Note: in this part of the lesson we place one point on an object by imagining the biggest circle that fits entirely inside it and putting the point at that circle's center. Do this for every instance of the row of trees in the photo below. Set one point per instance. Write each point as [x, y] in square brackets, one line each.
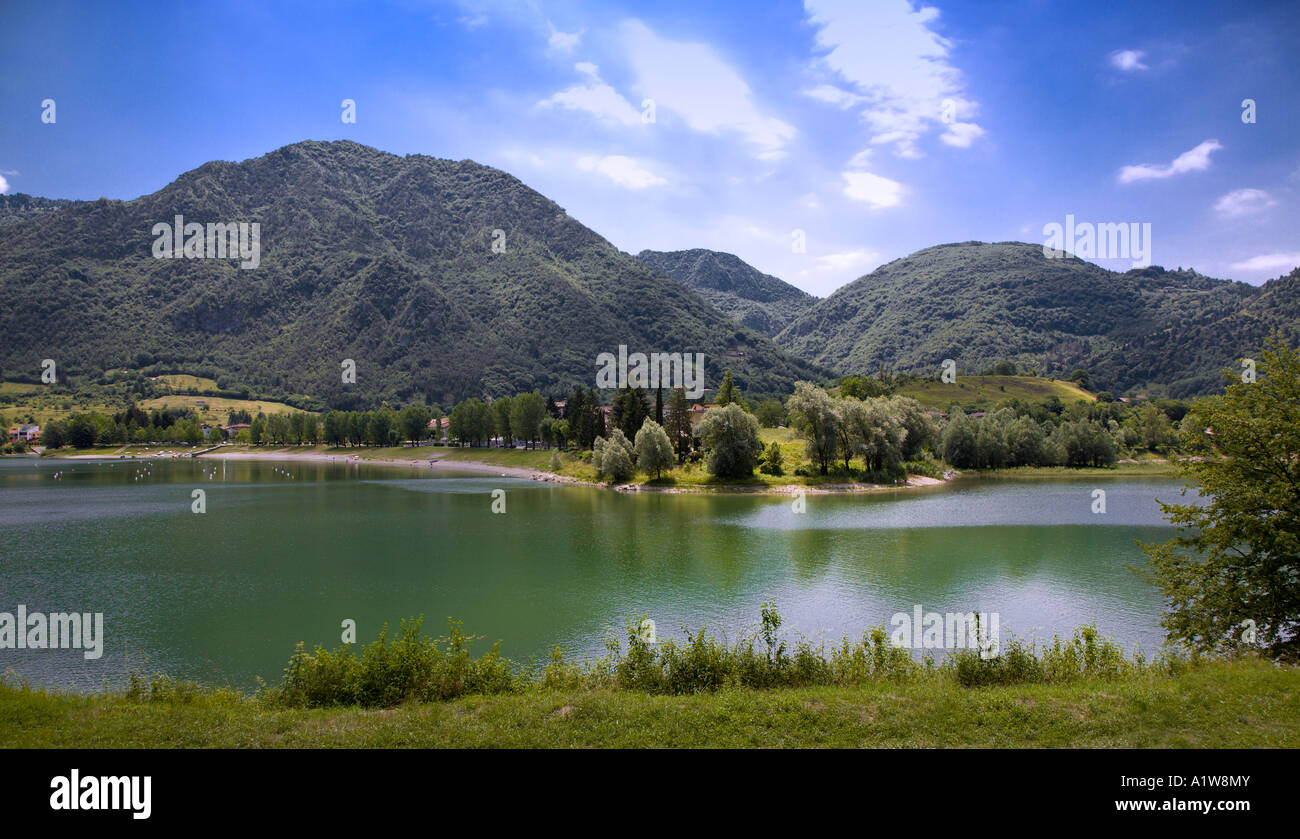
[884, 431]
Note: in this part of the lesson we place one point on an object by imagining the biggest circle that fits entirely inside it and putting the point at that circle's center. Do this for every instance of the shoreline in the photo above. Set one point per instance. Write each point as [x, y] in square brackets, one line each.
[443, 465]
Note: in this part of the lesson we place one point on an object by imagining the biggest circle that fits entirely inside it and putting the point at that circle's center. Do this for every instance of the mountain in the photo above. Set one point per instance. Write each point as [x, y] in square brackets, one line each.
[364, 255]
[1147, 329]
[760, 301]
[20, 205]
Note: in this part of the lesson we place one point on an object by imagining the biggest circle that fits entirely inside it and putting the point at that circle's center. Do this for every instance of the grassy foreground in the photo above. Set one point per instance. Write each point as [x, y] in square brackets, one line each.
[1220, 704]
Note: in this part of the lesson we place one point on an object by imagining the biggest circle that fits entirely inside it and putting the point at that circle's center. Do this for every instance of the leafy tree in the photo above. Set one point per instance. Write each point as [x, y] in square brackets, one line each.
[921, 430]
[654, 453]
[612, 456]
[629, 410]
[53, 435]
[731, 442]
[1234, 565]
[726, 392]
[678, 425]
[415, 423]
[812, 412]
[772, 460]
[500, 409]
[1004, 368]
[959, 443]
[526, 412]
[770, 413]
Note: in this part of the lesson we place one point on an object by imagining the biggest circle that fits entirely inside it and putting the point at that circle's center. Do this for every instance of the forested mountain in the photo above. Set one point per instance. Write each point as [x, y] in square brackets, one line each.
[365, 255]
[736, 288]
[19, 205]
[1144, 329]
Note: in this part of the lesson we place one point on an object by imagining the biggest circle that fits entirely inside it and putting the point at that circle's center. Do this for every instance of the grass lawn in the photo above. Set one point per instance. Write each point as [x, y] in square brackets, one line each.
[984, 392]
[1217, 705]
[216, 409]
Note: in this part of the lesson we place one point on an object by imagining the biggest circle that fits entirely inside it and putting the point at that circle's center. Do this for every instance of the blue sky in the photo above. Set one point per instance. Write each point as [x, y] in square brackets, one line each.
[867, 129]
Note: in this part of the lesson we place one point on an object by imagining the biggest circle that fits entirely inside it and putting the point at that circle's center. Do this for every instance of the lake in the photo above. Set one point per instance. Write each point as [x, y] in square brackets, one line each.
[286, 551]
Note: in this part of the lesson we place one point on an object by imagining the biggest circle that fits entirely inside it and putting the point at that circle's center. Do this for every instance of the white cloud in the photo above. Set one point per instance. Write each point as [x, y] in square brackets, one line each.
[896, 65]
[848, 260]
[625, 171]
[564, 42]
[597, 98]
[1196, 160]
[4, 185]
[1269, 262]
[876, 190]
[1243, 202]
[832, 95]
[1128, 60]
[692, 81]
[961, 134]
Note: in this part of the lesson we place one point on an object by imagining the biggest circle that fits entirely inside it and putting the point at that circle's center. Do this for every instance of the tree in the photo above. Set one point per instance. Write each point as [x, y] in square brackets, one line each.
[958, 443]
[630, 408]
[812, 413]
[53, 435]
[414, 421]
[82, 431]
[770, 413]
[654, 452]
[526, 412]
[772, 460]
[921, 430]
[1004, 368]
[731, 442]
[612, 456]
[875, 433]
[726, 392]
[678, 425]
[500, 409]
[1233, 567]
[1081, 378]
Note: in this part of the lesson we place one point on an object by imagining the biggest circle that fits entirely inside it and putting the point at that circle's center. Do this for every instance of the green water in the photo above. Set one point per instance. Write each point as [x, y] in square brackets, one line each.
[286, 552]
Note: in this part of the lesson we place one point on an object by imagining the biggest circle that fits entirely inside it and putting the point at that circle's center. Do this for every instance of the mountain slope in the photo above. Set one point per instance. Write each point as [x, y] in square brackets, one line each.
[976, 303]
[365, 255]
[737, 289]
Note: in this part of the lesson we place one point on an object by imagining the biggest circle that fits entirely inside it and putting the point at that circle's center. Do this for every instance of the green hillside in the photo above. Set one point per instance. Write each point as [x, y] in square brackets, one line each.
[365, 255]
[1166, 332]
[736, 288]
[986, 391]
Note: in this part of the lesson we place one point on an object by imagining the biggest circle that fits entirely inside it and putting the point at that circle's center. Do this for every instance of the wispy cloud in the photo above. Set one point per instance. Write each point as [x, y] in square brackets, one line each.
[895, 67]
[690, 80]
[596, 98]
[1243, 202]
[876, 190]
[627, 172]
[564, 42]
[4, 185]
[847, 260]
[1268, 262]
[1130, 61]
[1196, 160]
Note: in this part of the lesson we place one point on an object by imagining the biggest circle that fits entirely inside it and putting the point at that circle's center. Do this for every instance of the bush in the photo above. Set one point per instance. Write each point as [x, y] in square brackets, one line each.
[413, 667]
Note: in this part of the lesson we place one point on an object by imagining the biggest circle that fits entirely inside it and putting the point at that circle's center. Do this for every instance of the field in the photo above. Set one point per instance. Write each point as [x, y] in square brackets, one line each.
[184, 381]
[1221, 704]
[216, 409]
[984, 392]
